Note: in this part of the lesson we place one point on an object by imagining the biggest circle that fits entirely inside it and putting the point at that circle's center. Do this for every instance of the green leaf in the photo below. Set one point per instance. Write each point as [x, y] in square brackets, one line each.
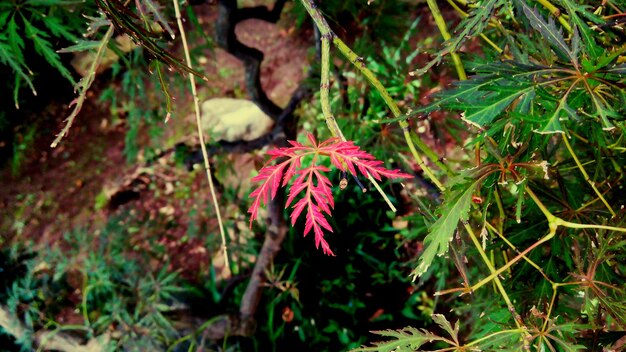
[404, 340]
[455, 208]
[471, 26]
[483, 97]
[549, 30]
[124, 21]
[491, 105]
[462, 90]
[44, 48]
[474, 24]
[7, 58]
[164, 88]
[16, 41]
[3, 16]
[605, 112]
[553, 123]
[588, 36]
[58, 28]
[441, 320]
[81, 45]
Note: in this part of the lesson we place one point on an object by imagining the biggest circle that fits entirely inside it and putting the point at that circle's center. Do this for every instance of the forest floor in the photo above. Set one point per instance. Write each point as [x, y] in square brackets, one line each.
[76, 184]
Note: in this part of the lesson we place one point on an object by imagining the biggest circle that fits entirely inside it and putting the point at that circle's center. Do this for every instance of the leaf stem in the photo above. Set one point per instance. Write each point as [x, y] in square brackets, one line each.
[586, 176]
[528, 260]
[557, 13]
[441, 24]
[83, 86]
[492, 335]
[325, 88]
[331, 122]
[494, 275]
[327, 35]
[359, 64]
[205, 156]
[553, 223]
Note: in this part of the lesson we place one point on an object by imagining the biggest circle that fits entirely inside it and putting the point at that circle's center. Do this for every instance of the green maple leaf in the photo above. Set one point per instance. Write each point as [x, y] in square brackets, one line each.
[455, 208]
[410, 339]
[44, 48]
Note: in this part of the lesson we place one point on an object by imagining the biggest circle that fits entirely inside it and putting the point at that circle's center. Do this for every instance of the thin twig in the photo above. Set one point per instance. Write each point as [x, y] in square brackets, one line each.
[326, 111]
[443, 28]
[586, 176]
[83, 86]
[205, 156]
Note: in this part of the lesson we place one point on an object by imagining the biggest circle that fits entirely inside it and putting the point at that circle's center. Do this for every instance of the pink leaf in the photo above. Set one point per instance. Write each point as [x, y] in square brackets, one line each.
[311, 181]
[312, 140]
[297, 210]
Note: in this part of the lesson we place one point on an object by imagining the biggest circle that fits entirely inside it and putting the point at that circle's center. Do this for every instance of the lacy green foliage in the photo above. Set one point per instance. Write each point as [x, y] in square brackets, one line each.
[456, 206]
[369, 122]
[546, 124]
[554, 337]
[378, 21]
[476, 21]
[139, 26]
[38, 25]
[145, 24]
[411, 339]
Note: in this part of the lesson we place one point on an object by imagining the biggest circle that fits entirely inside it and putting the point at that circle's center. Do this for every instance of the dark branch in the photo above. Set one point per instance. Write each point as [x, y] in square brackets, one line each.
[285, 128]
[262, 12]
[227, 19]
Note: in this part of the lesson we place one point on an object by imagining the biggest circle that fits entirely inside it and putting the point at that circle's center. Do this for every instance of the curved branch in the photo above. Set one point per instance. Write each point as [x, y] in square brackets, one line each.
[262, 12]
[228, 17]
[284, 128]
[276, 231]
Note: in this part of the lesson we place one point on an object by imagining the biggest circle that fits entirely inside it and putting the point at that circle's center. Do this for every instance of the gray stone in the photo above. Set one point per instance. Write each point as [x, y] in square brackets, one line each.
[234, 119]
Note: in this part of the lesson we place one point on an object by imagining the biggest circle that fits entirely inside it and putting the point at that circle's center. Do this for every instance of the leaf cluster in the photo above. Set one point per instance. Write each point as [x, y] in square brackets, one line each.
[544, 105]
[36, 26]
[117, 292]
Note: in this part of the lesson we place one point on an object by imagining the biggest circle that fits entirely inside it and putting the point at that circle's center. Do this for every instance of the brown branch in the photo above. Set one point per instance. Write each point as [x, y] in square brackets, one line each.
[244, 323]
[276, 231]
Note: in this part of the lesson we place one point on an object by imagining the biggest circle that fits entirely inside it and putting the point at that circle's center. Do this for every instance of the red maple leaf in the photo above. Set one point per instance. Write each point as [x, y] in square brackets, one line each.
[311, 181]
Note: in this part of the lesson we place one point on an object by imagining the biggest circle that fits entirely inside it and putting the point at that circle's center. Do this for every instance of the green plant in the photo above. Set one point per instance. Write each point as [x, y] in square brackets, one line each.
[116, 292]
[525, 107]
[40, 23]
